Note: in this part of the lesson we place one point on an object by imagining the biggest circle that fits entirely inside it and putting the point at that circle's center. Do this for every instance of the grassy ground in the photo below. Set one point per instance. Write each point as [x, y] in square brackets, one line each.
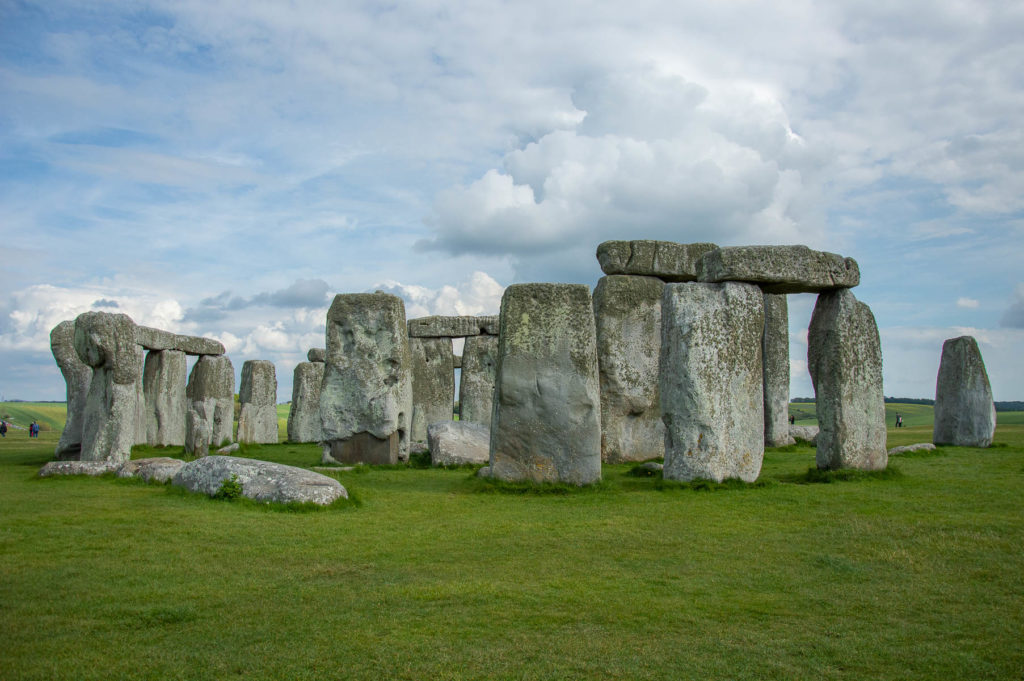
[913, 414]
[49, 415]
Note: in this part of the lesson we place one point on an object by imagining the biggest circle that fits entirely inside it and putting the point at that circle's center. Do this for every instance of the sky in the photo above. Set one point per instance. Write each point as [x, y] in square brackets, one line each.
[225, 168]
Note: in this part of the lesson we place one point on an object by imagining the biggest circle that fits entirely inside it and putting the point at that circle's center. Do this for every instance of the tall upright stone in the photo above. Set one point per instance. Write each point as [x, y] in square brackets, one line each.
[366, 397]
[257, 399]
[627, 311]
[211, 404]
[965, 415]
[546, 422]
[164, 378]
[106, 342]
[476, 381]
[304, 413]
[775, 353]
[77, 376]
[844, 356]
[711, 381]
[433, 383]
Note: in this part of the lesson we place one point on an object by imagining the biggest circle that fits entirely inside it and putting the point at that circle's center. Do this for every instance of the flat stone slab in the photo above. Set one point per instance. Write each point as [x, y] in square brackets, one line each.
[158, 339]
[156, 469]
[229, 449]
[260, 480]
[666, 260]
[452, 327]
[454, 443]
[780, 269]
[317, 355]
[77, 468]
[919, 447]
[805, 433]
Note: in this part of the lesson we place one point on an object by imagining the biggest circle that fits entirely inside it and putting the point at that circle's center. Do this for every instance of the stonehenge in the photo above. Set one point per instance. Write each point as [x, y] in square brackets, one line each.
[163, 381]
[77, 376]
[433, 383]
[775, 354]
[304, 413]
[965, 415]
[476, 380]
[257, 398]
[211, 404]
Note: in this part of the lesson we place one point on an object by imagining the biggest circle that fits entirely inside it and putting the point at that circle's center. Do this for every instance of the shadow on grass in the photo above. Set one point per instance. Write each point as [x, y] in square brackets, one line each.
[492, 486]
[818, 476]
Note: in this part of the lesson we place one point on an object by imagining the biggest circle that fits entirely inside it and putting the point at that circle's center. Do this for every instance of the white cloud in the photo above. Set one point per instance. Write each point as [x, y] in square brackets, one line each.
[969, 303]
[479, 294]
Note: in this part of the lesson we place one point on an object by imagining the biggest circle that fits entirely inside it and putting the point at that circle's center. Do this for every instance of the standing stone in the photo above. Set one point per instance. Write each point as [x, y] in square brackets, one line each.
[844, 356]
[711, 381]
[257, 399]
[164, 378]
[476, 383]
[304, 414]
[627, 311]
[775, 352]
[77, 375]
[106, 342]
[546, 422]
[211, 404]
[366, 398]
[965, 415]
[433, 383]
[140, 402]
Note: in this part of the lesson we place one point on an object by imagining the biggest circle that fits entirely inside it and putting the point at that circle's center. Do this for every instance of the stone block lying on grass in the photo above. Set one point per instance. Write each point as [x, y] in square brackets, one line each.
[77, 468]
[260, 480]
[804, 433]
[453, 443]
[156, 469]
[919, 447]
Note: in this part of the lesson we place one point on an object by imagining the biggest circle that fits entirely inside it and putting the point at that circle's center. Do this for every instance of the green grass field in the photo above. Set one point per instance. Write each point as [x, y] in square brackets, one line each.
[915, 574]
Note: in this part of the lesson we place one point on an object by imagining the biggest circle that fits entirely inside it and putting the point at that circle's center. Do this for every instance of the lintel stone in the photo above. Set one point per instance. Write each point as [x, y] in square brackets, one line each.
[780, 269]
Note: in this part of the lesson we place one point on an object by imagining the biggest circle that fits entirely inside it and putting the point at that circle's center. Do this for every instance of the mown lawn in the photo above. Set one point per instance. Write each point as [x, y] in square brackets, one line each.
[913, 575]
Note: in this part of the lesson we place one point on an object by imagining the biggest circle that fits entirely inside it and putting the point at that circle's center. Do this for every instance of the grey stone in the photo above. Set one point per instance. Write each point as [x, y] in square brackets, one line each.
[476, 381]
[804, 433]
[457, 361]
[452, 327]
[157, 339]
[230, 449]
[77, 468]
[666, 260]
[919, 447]
[211, 404]
[775, 355]
[627, 311]
[158, 469]
[965, 415]
[780, 269]
[317, 355]
[433, 384]
[77, 376]
[484, 472]
[650, 468]
[546, 421]
[163, 383]
[711, 381]
[260, 480]
[454, 443]
[844, 357]
[304, 413]
[257, 399]
[110, 427]
[366, 399]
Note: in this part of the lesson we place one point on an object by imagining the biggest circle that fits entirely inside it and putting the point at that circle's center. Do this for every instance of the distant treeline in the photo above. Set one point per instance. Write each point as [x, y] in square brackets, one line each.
[1000, 406]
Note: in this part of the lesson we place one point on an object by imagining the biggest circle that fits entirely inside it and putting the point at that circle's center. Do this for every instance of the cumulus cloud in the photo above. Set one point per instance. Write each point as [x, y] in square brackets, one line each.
[1014, 316]
[479, 294]
[304, 293]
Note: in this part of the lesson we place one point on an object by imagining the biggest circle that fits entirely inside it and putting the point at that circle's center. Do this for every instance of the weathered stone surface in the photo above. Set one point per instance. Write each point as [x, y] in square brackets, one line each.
[106, 342]
[211, 404]
[317, 355]
[77, 376]
[157, 469]
[649, 469]
[476, 381]
[804, 433]
[711, 381]
[666, 260]
[157, 339]
[257, 399]
[965, 415]
[451, 327]
[77, 468]
[304, 413]
[457, 361]
[919, 447]
[260, 480]
[775, 356]
[164, 378]
[367, 386]
[454, 443]
[546, 423]
[229, 449]
[781, 269]
[433, 383]
[627, 311]
[844, 357]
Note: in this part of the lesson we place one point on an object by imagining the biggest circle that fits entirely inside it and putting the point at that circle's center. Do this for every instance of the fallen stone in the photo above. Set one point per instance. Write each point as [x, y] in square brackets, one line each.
[334, 469]
[666, 260]
[711, 381]
[211, 404]
[260, 480]
[229, 449]
[627, 312]
[919, 447]
[433, 383]
[257, 398]
[163, 383]
[452, 327]
[454, 443]
[780, 269]
[476, 381]
[650, 468]
[844, 356]
[317, 355]
[775, 353]
[77, 377]
[304, 412]
[804, 433]
[965, 415]
[77, 468]
[157, 469]
[547, 413]
[157, 339]
[484, 472]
